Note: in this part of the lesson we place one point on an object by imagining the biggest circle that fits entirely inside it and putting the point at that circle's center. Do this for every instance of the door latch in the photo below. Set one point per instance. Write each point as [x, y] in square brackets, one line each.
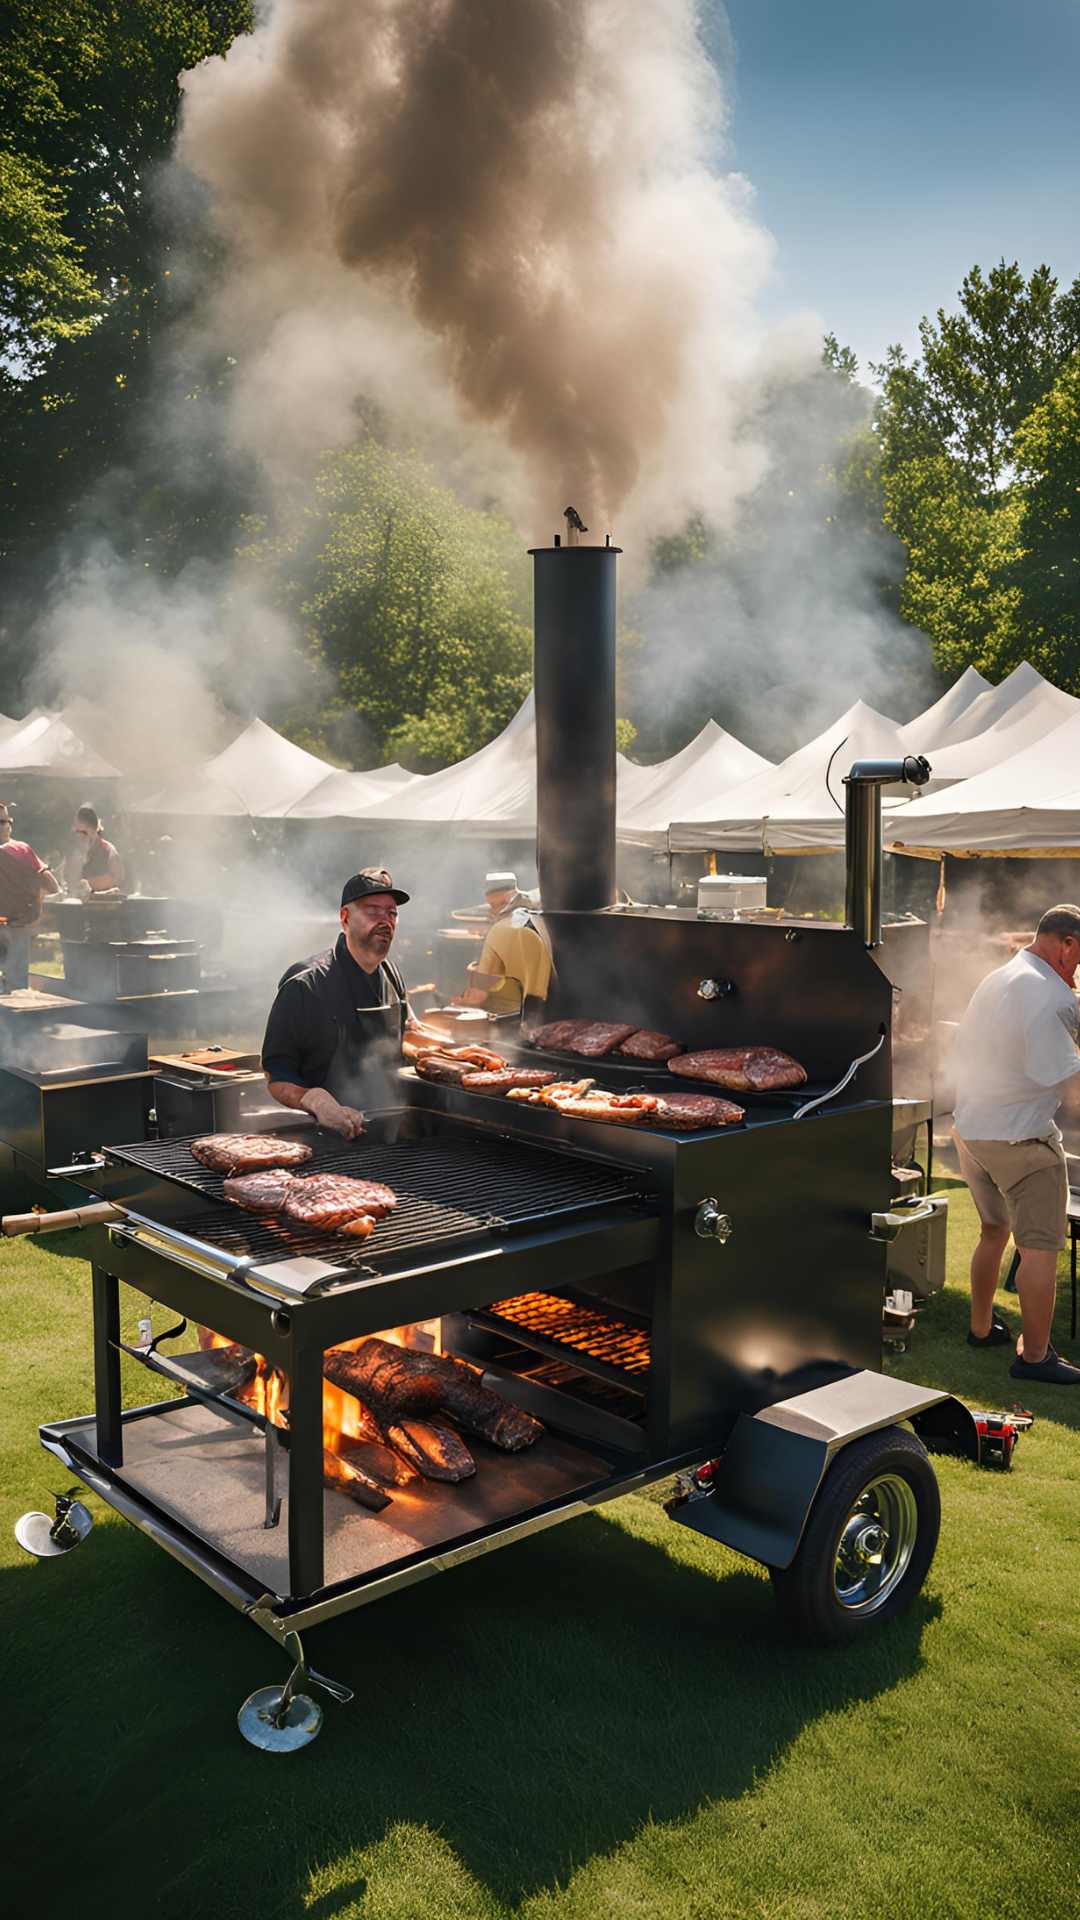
[711, 1224]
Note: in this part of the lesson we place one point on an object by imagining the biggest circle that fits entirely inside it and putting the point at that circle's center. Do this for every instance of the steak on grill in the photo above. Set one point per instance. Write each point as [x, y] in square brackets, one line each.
[598, 1037]
[505, 1078]
[685, 1112]
[247, 1152]
[397, 1384]
[743, 1069]
[443, 1069]
[557, 1035]
[337, 1203]
[260, 1192]
[653, 1047]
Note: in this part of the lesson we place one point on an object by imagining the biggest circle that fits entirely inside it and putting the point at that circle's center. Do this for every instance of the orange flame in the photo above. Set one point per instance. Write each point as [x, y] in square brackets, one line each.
[344, 1418]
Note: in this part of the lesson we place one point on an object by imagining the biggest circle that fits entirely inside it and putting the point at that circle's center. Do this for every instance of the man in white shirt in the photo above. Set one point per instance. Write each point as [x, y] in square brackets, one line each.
[1015, 1050]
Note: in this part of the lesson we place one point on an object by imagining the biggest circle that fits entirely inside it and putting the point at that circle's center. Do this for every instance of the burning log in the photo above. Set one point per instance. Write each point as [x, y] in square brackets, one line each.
[383, 1465]
[346, 1477]
[401, 1388]
[436, 1452]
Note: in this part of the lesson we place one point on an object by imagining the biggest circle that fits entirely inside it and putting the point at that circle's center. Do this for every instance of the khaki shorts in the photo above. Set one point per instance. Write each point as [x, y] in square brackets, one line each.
[1020, 1184]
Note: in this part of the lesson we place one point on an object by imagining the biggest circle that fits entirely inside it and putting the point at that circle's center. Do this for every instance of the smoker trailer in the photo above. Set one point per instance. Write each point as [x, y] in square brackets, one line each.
[707, 1305]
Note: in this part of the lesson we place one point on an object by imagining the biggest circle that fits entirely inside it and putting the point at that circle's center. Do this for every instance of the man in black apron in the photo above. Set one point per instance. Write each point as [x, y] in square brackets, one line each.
[334, 1032]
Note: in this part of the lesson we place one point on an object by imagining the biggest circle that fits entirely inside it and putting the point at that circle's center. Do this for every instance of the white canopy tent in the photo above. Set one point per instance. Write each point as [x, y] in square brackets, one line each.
[712, 763]
[349, 796]
[48, 745]
[798, 806]
[1039, 708]
[8, 726]
[259, 776]
[1028, 805]
[493, 792]
[937, 725]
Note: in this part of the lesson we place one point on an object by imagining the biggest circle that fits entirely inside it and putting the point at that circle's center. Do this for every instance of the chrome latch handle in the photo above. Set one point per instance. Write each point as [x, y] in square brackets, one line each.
[889, 1226]
[715, 989]
[712, 1224]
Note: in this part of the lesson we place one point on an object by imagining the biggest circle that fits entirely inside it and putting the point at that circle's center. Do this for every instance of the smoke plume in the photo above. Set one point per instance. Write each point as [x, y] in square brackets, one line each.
[502, 217]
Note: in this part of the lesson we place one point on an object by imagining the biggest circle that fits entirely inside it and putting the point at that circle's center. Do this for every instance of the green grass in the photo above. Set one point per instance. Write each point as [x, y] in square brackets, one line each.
[602, 1722]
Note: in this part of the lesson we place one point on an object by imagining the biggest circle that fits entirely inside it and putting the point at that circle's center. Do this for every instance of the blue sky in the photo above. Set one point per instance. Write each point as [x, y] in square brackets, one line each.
[892, 146]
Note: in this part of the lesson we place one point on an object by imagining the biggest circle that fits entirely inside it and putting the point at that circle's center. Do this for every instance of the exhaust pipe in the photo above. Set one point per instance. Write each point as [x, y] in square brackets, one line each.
[862, 836]
[574, 677]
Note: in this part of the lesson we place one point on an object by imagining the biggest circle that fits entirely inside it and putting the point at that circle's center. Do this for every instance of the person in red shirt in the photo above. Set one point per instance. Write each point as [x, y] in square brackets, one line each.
[24, 882]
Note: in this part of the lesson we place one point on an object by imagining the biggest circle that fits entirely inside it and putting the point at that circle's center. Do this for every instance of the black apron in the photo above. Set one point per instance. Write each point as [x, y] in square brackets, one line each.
[368, 1050]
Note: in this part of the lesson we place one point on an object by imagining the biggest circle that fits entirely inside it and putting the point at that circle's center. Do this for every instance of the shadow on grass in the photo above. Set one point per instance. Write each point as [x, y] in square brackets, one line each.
[532, 1711]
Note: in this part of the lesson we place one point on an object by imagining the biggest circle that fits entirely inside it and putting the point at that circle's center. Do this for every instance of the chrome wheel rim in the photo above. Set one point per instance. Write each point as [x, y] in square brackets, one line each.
[875, 1545]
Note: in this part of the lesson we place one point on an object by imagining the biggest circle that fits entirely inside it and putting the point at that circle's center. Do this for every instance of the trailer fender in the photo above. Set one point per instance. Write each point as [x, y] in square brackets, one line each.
[757, 1496]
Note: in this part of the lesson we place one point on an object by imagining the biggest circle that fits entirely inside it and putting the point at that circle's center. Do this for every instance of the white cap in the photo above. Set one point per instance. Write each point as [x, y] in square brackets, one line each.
[500, 882]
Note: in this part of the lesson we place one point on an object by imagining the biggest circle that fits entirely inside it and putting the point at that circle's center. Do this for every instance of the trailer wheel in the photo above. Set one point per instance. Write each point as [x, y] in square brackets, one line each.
[868, 1543]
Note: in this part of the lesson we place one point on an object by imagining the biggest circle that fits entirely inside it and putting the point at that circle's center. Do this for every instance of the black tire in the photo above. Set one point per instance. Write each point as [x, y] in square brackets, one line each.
[883, 1481]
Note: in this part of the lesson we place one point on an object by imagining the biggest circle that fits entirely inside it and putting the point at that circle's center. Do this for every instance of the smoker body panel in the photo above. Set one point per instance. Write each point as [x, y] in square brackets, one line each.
[813, 990]
[793, 1297]
[52, 1119]
[764, 1485]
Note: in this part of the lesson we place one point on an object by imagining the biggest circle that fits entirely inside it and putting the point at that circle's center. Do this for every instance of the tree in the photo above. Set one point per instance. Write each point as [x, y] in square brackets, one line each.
[950, 428]
[415, 609]
[89, 96]
[1045, 570]
[982, 370]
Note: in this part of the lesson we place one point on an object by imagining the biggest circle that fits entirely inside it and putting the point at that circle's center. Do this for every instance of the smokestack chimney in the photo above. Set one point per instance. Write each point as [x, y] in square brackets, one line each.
[574, 677]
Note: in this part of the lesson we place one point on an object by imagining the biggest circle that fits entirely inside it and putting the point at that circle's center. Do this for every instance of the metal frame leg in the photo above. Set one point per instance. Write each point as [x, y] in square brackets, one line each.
[110, 1436]
[1074, 1232]
[305, 1472]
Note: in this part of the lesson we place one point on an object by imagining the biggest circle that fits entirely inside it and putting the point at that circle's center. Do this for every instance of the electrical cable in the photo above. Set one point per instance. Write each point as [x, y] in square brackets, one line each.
[821, 1098]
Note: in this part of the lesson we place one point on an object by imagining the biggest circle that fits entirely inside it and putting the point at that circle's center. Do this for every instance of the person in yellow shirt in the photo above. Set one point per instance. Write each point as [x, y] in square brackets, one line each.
[515, 963]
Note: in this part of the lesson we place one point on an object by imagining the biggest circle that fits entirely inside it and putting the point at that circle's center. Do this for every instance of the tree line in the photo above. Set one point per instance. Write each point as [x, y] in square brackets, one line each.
[959, 475]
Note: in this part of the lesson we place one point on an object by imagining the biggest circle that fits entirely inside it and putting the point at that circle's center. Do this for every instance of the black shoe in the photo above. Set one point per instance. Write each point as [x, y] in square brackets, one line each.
[997, 1337]
[1053, 1369]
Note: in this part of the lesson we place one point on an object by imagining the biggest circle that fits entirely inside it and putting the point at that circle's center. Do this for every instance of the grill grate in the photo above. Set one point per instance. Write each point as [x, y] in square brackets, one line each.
[599, 1337]
[448, 1189]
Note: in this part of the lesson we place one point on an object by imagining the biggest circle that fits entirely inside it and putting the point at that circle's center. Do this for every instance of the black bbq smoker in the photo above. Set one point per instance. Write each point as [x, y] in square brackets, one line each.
[707, 1305]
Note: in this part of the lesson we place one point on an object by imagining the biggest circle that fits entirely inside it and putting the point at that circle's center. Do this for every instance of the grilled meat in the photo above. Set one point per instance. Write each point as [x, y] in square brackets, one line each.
[598, 1037]
[337, 1203]
[396, 1384]
[557, 1035]
[483, 1058]
[655, 1048]
[686, 1112]
[549, 1096]
[346, 1477]
[416, 1041]
[260, 1192]
[743, 1069]
[619, 1109]
[436, 1452]
[443, 1069]
[505, 1078]
[247, 1152]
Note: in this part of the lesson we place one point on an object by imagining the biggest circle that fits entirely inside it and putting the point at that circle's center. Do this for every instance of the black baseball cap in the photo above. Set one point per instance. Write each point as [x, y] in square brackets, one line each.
[371, 880]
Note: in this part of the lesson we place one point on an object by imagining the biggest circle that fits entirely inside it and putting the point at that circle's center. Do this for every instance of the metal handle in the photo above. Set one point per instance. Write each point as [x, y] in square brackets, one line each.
[711, 1224]
[715, 989]
[92, 1216]
[187, 1252]
[889, 1226]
